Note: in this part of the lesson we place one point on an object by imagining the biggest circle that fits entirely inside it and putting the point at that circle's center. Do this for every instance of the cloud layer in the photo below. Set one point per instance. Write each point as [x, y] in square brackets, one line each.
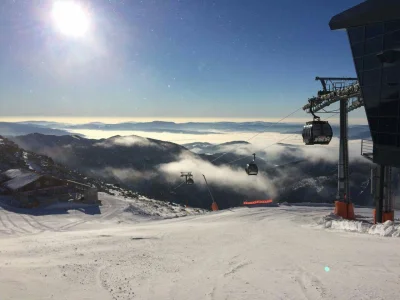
[224, 176]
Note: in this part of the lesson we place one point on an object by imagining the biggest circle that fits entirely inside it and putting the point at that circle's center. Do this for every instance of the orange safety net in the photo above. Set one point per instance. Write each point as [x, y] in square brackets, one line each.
[257, 202]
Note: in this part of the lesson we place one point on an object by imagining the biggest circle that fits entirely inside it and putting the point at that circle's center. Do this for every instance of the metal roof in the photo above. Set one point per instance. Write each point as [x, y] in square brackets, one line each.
[21, 181]
[12, 173]
[370, 11]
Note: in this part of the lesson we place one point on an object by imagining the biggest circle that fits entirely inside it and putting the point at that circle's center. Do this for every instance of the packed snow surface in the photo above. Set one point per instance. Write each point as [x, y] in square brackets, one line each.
[244, 253]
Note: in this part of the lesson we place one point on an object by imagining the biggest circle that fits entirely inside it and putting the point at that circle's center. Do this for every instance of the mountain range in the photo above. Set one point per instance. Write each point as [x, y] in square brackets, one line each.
[193, 128]
[152, 168]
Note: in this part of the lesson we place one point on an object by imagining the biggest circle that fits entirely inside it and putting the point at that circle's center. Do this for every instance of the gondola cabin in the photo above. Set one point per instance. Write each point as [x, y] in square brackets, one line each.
[190, 181]
[317, 133]
[251, 169]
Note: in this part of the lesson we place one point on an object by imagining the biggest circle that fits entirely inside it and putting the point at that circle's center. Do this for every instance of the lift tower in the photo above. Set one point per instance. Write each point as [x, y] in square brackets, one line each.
[342, 90]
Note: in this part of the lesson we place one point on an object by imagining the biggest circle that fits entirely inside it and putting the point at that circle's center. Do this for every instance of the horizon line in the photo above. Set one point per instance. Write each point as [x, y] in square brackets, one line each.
[116, 120]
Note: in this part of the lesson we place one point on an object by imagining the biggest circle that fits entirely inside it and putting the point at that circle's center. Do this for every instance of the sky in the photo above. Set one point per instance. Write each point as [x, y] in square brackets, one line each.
[161, 59]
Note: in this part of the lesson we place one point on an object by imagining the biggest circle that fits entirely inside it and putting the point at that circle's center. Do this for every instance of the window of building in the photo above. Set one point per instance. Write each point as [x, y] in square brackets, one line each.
[373, 30]
[374, 45]
[358, 49]
[356, 34]
[358, 62]
[388, 125]
[392, 40]
[372, 111]
[392, 26]
[360, 78]
[371, 62]
[389, 108]
[391, 75]
[372, 78]
[390, 93]
[387, 139]
[371, 95]
[373, 123]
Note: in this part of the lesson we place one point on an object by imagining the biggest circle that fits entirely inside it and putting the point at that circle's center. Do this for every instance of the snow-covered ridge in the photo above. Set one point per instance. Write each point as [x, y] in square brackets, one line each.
[141, 205]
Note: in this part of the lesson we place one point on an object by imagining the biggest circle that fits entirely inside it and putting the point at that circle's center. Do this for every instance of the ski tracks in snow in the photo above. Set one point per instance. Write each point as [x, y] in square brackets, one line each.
[236, 267]
[311, 286]
[16, 224]
[23, 224]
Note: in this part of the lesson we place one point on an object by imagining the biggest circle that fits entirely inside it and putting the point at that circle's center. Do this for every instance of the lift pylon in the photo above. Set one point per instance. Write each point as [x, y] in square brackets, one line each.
[342, 89]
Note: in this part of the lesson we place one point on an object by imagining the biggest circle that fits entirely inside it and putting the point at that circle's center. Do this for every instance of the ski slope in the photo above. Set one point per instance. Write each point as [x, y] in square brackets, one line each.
[257, 253]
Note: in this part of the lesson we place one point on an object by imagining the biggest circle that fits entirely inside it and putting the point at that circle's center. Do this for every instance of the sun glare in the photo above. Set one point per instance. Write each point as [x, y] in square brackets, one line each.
[70, 18]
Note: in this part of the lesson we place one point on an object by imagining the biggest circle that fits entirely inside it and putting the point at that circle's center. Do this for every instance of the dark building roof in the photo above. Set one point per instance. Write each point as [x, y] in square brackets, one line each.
[13, 173]
[17, 178]
[21, 181]
[370, 11]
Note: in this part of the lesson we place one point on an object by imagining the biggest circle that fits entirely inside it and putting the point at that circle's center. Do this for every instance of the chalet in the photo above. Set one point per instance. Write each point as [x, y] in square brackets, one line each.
[31, 189]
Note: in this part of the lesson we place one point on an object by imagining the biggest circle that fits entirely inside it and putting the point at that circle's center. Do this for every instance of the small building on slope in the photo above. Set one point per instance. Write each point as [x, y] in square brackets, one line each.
[30, 189]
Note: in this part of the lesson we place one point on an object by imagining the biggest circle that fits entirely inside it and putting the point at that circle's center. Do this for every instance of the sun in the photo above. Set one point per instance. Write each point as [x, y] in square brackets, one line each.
[70, 18]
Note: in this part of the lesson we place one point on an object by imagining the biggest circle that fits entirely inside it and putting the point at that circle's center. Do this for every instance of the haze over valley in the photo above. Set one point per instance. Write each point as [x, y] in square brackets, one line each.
[199, 150]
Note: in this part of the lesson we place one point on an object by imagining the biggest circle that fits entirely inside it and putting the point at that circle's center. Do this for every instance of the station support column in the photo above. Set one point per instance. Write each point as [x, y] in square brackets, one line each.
[343, 206]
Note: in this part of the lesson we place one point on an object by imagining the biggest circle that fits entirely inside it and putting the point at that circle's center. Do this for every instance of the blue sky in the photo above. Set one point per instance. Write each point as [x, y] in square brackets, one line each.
[157, 59]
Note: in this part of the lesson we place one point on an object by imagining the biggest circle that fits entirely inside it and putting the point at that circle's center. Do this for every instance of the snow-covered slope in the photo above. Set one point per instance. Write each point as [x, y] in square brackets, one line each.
[260, 253]
[14, 157]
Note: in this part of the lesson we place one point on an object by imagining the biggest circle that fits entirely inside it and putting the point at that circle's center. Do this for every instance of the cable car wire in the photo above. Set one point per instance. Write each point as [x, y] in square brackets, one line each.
[235, 160]
[178, 186]
[272, 124]
[262, 149]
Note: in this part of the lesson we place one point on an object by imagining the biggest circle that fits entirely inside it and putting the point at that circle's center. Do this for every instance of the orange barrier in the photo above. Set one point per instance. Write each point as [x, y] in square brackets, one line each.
[344, 210]
[386, 216]
[257, 202]
[214, 206]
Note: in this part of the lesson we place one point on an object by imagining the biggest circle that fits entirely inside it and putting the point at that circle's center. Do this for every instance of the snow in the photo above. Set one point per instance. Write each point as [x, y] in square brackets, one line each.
[151, 208]
[34, 167]
[243, 253]
[31, 165]
[12, 173]
[309, 204]
[21, 181]
[362, 224]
